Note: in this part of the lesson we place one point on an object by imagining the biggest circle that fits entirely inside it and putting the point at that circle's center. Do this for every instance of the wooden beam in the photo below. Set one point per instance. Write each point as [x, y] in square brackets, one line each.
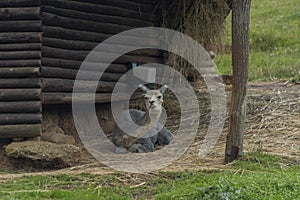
[20, 118]
[19, 72]
[20, 37]
[27, 13]
[14, 83]
[66, 85]
[20, 131]
[73, 64]
[20, 63]
[21, 107]
[19, 3]
[19, 94]
[25, 26]
[240, 57]
[19, 55]
[53, 72]
[20, 47]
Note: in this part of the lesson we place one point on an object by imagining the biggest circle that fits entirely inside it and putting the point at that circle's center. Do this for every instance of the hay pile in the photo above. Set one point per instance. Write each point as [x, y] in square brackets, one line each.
[202, 20]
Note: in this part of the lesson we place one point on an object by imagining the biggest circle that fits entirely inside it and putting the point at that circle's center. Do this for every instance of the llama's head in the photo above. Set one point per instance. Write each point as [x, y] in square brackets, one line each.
[153, 98]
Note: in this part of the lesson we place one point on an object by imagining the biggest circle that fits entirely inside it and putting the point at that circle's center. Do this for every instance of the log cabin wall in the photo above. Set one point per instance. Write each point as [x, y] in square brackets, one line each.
[71, 29]
[20, 61]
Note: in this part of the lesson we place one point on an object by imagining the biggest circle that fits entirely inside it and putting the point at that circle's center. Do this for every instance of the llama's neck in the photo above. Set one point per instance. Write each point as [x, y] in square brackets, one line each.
[149, 118]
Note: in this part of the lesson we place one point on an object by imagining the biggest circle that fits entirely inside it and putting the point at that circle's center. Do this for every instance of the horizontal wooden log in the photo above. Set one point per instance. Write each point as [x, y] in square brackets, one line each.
[145, 2]
[20, 47]
[83, 25]
[29, 13]
[20, 118]
[71, 64]
[21, 107]
[20, 63]
[20, 37]
[66, 85]
[88, 46]
[67, 98]
[14, 83]
[103, 9]
[19, 72]
[50, 52]
[19, 94]
[126, 4]
[131, 22]
[20, 131]
[69, 34]
[19, 3]
[22, 26]
[52, 72]
[19, 55]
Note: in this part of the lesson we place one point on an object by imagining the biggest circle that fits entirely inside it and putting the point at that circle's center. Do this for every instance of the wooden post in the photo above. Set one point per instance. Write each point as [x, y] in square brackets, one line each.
[240, 57]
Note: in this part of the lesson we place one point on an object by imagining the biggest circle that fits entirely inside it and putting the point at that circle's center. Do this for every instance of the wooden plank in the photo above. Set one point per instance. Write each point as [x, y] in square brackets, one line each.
[20, 37]
[21, 26]
[102, 9]
[52, 72]
[20, 63]
[240, 59]
[131, 22]
[20, 131]
[19, 55]
[69, 34]
[19, 3]
[27, 13]
[71, 64]
[82, 25]
[21, 107]
[14, 83]
[66, 98]
[106, 57]
[19, 72]
[20, 118]
[19, 94]
[20, 47]
[66, 85]
[88, 46]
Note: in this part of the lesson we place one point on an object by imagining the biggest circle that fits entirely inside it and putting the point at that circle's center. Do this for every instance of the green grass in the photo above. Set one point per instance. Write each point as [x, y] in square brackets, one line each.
[274, 41]
[257, 176]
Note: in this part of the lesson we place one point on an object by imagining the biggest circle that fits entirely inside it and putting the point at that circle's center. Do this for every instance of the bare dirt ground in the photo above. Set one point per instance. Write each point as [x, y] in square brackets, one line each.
[272, 126]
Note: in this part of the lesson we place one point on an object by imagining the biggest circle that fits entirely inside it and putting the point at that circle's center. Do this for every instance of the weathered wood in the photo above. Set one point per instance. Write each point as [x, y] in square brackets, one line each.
[14, 83]
[21, 107]
[50, 52]
[71, 64]
[131, 22]
[20, 118]
[19, 3]
[66, 85]
[27, 13]
[19, 55]
[20, 63]
[19, 94]
[69, 34]
[67, 98]
[240, 58]
[102, 9]
[88, 46]
[24, 26]
[20, 37]
[20, 47]
[19, 72]
[20, 131]
[52, 72]
[126, 4]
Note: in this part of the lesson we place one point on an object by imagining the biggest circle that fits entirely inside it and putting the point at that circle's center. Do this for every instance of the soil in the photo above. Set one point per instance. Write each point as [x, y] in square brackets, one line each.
[272, 126]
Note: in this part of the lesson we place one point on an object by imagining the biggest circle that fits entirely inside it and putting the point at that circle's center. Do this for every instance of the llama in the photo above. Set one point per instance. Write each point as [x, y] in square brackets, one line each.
[143, 141]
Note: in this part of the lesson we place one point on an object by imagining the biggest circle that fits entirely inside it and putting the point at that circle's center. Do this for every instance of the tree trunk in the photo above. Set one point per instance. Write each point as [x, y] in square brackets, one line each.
[240, 57]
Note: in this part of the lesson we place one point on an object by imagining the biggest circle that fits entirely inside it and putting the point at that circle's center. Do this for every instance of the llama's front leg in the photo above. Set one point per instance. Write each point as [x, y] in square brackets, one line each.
[143, 145]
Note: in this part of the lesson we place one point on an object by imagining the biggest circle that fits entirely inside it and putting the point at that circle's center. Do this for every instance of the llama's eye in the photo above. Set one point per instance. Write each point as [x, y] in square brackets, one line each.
[159, 97]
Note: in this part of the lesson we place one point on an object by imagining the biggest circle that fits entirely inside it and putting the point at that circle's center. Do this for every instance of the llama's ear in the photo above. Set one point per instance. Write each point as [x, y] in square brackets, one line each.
[144, 88]
[163, 88]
